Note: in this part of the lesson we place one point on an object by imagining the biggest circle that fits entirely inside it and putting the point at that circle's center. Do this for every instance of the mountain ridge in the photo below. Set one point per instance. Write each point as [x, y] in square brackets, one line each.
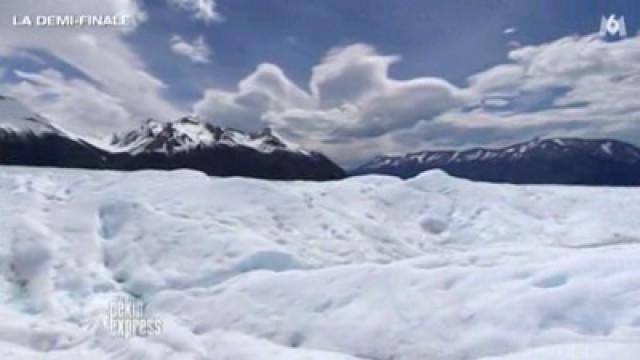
[559, 160]
[28, 139]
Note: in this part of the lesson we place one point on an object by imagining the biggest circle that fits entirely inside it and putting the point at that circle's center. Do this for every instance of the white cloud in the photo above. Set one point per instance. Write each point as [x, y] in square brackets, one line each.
[351, 107]
[505, 77]
[204, 10]
[264, 91]
[100, 54]
[510, 30]
[349, 74]
[351, 95]
[600, 76]
[73, 103]
[354, 109]
[197, 50]
[600, 81]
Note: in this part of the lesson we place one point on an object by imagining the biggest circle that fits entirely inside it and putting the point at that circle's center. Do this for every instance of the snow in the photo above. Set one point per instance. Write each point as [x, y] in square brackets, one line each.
[196, 131]
[191, 132]
[603, 351]
[370, 267]
[606, 147]
[16, 117]
[475, 154]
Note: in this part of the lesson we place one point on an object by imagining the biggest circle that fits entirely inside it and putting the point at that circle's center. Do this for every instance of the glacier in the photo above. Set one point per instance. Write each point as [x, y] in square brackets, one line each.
[369, 267]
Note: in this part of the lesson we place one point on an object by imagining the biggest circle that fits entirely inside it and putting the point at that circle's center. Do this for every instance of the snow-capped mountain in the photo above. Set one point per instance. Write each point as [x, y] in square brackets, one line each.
[539, 161]
[189, 133]
[27, 138]
[15, 118]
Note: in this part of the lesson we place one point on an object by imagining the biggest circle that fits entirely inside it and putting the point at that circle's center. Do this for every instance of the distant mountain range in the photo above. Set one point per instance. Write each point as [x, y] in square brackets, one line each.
[29, 139]
[539, 161]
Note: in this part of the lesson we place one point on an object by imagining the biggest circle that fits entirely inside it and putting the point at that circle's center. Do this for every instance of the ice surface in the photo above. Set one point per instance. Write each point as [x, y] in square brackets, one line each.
[364, 268]
[596, 351]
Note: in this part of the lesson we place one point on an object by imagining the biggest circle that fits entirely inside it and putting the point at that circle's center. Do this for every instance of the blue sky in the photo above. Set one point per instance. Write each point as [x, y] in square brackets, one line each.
[353, 78]
[448, 39]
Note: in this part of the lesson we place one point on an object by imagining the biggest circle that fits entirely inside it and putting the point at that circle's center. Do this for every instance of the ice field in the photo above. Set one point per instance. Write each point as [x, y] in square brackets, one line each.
[369, 267]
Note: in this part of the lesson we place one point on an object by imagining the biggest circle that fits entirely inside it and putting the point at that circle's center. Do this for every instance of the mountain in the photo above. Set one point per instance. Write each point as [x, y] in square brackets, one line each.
[26, 138]
[194, 144]
[540, 161]
[29, 139]
[189, 133]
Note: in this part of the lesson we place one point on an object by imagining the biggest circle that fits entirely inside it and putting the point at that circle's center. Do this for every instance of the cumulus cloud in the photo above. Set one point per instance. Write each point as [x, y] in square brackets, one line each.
[264, 91]
[204, 10]
[349, 74]
[351, 102]
[351, 95]
[197, 50]
[355, 80]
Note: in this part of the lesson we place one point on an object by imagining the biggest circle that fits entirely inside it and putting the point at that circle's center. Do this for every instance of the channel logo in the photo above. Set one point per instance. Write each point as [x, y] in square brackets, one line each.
[613, 27]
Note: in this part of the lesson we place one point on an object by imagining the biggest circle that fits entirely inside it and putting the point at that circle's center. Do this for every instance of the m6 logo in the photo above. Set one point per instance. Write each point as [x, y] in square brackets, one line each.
[612, 26]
